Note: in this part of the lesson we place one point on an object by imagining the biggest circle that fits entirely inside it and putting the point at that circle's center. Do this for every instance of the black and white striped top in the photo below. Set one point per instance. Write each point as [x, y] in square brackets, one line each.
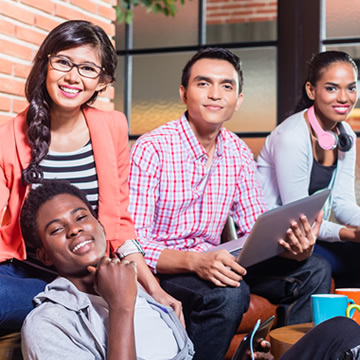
[78, 167]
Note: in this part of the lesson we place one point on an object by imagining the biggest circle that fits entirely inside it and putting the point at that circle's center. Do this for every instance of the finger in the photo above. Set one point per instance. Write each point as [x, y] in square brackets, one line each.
[217, 282]
[176, 305]
[286, 246]
[235, 266]
[230, 262]
[91, 269]
[305, 223]
[320, 216]
[104, 260]
[263, 356]
[317, 224]
[297, 231]
[231, 274]
[227, 269]
[182, 319]
[292, 240]
[265, 346]
[309, 238]
[308, 230]
[222, 280]
[302, 241]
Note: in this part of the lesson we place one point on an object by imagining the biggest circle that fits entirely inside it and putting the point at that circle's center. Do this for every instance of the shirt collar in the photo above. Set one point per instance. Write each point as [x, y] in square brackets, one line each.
[192, 144]
[64, 292]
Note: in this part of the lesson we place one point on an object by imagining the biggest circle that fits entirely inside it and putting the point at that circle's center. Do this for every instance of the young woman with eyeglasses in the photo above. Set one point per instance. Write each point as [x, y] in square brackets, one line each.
[61, 136]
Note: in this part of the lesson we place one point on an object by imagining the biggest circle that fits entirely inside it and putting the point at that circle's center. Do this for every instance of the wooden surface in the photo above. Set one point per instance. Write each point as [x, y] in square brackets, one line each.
[10, 347]
[283, 338]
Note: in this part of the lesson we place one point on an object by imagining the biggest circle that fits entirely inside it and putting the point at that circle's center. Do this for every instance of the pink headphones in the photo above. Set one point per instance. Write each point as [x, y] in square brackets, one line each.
[328, 140]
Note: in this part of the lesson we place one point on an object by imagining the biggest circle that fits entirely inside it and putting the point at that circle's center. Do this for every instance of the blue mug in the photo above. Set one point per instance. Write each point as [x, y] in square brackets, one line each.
[327, 306]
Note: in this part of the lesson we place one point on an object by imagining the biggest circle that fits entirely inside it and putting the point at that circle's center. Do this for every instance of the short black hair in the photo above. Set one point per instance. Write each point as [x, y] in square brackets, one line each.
[216, 54]
[36, 198]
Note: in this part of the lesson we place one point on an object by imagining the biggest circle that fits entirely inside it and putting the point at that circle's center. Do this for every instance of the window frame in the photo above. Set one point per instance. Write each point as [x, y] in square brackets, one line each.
[300, 29]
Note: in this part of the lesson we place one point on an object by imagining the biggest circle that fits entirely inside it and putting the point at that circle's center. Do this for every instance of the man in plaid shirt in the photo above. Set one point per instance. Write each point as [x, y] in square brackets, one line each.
[186, 178]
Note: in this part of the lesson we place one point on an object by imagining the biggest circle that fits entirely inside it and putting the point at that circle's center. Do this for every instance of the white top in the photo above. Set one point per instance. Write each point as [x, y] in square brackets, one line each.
[284, 169]
[150, 344]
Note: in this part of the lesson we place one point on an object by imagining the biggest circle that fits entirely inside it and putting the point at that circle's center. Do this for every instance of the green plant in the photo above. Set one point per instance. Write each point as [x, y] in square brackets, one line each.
[124, 12]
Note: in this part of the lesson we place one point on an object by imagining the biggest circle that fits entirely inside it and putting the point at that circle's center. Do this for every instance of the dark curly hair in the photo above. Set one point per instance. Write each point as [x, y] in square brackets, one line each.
[36, 198]
[67, 35]
[216, 54]
[316, 68]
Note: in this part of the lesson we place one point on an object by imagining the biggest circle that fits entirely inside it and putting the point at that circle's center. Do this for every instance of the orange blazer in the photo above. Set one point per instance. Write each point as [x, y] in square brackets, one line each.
[109, 137]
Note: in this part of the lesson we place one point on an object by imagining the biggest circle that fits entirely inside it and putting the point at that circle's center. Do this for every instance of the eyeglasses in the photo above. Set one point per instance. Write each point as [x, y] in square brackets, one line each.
[65, 65]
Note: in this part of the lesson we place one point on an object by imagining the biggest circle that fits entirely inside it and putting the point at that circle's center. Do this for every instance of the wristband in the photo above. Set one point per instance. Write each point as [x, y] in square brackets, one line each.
[129, 247]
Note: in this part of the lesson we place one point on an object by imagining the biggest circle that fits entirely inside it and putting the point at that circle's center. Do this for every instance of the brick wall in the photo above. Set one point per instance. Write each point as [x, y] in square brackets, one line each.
[240, 11]
[23, 26]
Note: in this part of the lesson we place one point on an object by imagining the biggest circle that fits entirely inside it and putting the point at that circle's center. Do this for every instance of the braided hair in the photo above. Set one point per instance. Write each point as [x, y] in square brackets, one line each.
[67, 35]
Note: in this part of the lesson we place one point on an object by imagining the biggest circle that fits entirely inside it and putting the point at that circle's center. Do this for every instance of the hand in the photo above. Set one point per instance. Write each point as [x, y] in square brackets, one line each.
[265, 351]
[350, 233]
[164, 298]
[219, 267]
[299, 245]
[357, 234]
[116, 282]
[152, 286]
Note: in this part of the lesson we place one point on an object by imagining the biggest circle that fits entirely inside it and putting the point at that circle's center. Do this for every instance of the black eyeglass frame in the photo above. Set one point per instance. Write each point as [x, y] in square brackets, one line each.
[50, 57]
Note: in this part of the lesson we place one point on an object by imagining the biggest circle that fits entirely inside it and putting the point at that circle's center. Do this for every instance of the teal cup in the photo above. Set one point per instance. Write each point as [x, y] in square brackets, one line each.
[327, 306]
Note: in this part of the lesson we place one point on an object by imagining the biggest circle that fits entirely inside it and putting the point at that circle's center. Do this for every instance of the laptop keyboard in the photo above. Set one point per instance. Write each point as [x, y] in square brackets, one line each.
[235, 252]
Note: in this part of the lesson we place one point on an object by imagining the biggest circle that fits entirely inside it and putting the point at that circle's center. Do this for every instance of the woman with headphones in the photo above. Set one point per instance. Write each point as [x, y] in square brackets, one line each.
[315, 149]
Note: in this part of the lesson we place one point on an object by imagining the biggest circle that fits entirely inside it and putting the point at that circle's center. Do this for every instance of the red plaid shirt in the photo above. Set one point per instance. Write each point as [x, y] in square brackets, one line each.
[178, 203]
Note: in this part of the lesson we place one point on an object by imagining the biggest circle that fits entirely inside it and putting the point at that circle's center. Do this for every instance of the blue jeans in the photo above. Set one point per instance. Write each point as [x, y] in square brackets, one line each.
[344, 260]
[212, 314]
[290, 283]
[19, 283]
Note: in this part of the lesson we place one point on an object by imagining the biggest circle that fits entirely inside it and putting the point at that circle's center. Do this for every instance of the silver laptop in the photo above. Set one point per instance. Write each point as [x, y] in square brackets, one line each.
[271, 226]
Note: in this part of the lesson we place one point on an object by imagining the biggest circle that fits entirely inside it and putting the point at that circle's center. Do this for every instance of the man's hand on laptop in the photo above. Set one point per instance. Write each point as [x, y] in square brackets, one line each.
[298, 244]
[219, 267]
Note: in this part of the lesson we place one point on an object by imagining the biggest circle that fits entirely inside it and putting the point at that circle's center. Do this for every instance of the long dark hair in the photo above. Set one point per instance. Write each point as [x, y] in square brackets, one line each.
[65, 36]
[316, 67]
